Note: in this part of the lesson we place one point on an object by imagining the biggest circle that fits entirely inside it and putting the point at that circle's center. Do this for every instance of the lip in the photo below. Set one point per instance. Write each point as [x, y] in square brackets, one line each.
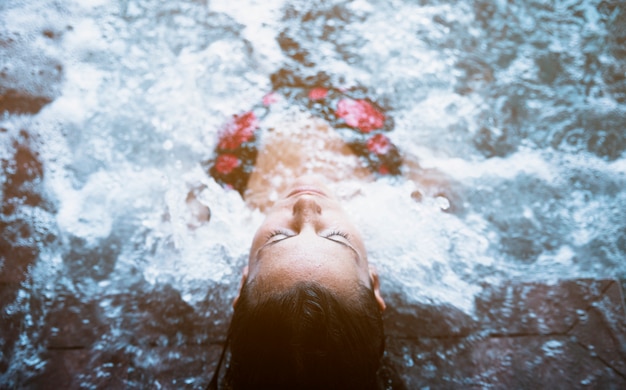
[307, 190]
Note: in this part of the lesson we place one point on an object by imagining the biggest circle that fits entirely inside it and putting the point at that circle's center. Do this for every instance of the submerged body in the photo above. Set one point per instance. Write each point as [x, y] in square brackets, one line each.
[301, 147]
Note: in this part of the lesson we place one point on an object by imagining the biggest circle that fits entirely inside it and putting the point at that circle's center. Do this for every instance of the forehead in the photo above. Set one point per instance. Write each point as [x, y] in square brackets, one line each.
[287, 262]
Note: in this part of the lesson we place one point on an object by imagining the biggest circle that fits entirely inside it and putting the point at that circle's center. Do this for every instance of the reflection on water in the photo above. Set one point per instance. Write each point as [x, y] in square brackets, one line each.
[110, 108]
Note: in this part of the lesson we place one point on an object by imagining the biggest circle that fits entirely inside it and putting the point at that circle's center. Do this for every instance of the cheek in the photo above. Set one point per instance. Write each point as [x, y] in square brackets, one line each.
[257, 241]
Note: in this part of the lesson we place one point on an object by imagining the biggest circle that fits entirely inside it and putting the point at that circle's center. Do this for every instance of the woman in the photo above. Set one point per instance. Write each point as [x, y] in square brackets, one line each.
[308, 315]
[309, 310]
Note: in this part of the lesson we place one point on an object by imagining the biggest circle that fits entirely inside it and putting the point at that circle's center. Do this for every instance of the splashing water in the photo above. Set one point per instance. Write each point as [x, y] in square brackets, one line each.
[520, 103]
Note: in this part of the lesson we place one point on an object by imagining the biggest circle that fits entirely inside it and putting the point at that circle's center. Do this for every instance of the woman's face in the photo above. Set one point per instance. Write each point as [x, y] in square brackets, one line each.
[307, 236]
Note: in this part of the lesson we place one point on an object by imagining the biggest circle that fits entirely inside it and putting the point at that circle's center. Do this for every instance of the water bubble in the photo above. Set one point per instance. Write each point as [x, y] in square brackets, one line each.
[552, 348]
[408, 361]
[442, 202]
[592, 350]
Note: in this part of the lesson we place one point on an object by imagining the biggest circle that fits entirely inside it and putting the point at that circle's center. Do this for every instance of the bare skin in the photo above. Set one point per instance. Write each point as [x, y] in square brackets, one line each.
[300, 147]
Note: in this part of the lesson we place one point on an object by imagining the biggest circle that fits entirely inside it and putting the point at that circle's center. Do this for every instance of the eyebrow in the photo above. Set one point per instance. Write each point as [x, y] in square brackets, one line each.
[326, 238]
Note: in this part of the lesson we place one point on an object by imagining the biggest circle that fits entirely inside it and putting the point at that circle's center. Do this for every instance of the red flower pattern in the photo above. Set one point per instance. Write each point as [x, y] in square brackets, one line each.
[378, 144]
[318, 93]
[238, 131]
[225, 163]
[360, 114]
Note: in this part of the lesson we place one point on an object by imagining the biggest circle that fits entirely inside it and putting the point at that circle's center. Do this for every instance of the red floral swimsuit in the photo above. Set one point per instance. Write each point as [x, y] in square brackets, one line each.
[359, 121]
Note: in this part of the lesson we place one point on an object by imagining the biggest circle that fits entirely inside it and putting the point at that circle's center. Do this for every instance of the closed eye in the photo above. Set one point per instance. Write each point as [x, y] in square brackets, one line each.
[337, 233]
[277, 235]
[343, 240]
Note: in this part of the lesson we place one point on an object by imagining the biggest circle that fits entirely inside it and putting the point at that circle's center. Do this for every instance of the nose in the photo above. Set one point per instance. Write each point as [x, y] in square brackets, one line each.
[306, 209]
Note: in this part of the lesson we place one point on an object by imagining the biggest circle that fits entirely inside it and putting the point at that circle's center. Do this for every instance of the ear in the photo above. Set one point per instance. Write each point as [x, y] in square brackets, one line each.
[376, 288]
[244, 277]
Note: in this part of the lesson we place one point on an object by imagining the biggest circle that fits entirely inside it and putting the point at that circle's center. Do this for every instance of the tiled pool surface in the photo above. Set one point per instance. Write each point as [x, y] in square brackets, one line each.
[562, 335]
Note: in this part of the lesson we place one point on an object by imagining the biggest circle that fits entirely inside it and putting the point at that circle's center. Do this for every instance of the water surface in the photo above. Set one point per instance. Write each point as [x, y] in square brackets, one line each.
[520, 103]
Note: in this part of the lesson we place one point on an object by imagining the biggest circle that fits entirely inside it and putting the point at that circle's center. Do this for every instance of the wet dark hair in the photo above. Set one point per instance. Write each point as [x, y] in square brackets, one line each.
[305, 338]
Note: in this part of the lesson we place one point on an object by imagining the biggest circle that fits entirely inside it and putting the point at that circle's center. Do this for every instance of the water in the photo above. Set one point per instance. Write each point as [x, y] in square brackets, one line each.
[521, 104]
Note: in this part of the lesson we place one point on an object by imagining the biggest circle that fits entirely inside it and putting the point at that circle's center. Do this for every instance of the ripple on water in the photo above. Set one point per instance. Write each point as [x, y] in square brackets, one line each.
[519, 103]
